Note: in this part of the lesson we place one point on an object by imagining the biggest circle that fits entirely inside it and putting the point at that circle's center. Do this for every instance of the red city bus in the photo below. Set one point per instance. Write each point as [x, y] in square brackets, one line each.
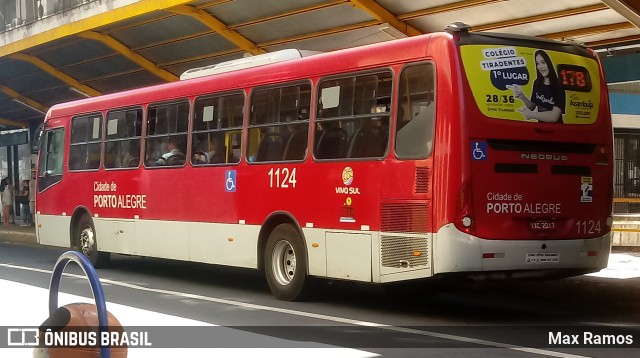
[449, 154]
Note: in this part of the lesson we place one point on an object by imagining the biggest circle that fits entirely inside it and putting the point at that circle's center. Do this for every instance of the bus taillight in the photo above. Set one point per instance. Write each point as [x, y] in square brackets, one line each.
[465, 221]
[602, 155]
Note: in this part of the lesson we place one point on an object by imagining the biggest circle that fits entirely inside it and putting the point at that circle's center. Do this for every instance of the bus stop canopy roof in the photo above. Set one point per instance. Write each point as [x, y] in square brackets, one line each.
[95, 48]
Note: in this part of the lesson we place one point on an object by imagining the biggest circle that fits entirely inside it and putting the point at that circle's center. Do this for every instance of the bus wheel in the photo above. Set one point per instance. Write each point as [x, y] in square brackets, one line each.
[286, 264]
[85, 239]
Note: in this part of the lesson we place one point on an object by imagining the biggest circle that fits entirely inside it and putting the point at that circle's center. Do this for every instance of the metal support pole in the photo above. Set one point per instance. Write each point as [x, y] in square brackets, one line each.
[96, 288]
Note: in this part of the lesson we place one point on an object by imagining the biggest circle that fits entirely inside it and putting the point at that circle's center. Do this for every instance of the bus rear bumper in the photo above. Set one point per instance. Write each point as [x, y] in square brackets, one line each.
[458, 252]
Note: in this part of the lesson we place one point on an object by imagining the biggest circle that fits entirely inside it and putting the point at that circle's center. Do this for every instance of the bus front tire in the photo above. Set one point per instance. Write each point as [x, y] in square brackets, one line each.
[286, 264]
[86, 241]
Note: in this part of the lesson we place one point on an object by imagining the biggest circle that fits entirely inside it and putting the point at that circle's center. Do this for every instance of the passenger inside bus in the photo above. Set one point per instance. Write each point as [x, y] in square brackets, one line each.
[175, 154]
[133, 157]
[210, 151]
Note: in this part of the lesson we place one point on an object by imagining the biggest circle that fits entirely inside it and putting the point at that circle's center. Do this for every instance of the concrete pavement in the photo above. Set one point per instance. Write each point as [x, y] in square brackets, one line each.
[17, 233]
[621, 278]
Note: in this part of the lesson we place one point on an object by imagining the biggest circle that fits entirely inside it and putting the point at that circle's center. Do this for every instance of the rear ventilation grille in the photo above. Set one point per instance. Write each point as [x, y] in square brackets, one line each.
[403, 251]
[422, 180]
[404, 217]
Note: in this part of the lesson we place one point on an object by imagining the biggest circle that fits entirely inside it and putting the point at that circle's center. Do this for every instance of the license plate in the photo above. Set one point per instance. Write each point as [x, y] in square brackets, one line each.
[542, 225]
[542, 257]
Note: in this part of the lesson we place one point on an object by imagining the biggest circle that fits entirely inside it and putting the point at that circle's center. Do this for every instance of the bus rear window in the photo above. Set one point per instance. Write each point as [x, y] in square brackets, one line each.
[532, 85]
[416, 112]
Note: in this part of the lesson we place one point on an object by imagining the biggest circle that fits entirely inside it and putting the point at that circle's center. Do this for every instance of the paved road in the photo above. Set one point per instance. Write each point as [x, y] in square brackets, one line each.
[510, 319]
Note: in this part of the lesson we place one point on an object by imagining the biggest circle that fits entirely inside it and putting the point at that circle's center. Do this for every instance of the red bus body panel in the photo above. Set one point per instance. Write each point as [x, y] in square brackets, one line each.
[421, 199]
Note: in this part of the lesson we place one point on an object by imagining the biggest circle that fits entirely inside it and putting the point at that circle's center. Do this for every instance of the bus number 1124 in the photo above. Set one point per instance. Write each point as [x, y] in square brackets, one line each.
[588, 226]
[288, 178]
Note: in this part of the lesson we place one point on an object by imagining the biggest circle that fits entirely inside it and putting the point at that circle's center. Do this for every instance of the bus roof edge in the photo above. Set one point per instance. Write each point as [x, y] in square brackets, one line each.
[247, 62]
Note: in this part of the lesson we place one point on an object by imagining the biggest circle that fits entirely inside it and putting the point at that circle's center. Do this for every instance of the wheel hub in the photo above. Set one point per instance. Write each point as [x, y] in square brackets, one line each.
[87, 241]
[284, 262]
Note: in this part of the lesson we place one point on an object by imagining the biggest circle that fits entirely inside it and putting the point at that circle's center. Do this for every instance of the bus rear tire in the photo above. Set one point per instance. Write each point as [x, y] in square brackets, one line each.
[84, 238]
[286, 264]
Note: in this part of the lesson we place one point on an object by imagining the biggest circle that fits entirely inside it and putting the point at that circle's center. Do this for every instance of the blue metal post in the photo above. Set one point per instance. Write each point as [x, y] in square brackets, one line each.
[96, 288]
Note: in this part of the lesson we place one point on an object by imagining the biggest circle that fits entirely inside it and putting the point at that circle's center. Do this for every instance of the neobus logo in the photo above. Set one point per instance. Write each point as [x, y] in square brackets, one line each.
[536, 156]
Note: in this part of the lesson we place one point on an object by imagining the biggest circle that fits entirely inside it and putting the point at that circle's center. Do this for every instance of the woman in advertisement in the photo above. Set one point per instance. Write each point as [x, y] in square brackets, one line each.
[547, 97]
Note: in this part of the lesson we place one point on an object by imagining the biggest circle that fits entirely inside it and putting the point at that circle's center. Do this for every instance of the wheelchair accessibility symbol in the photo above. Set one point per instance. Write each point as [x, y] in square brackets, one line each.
[230, 182]
[479, 150]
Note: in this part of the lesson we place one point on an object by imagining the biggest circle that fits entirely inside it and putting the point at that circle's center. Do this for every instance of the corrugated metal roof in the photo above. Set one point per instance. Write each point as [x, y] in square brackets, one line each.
[157, 45]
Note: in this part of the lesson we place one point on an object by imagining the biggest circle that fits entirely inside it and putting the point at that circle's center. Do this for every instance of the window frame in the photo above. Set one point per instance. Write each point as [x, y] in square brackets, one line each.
[626, 141]
[280, 124]
[86, 142]
[47, 179]
[434, 102]
[107, 140]
[386, 70]
[193, 132]
[147, 136]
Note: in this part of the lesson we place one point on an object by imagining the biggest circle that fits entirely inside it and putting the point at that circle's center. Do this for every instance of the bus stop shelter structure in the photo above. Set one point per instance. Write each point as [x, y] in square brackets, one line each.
[54, 51]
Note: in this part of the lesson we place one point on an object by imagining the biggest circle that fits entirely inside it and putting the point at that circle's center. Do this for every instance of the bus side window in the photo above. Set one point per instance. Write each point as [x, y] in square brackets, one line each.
[166, 140]
[50, 160]
[415, 115]
[86, 142]
[55, 144]
[217, 129]
[353, 117]
[280, 117]
[124, 130]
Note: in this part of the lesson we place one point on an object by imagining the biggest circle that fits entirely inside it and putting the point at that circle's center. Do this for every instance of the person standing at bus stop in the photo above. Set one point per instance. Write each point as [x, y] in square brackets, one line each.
[7, 197]
[547, 96]
[22, 202]
[32, 198]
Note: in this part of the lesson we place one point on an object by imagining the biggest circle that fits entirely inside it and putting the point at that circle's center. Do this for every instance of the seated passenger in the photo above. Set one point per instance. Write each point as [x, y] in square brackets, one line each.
[212, 153]
[132, 159]
[174, 153]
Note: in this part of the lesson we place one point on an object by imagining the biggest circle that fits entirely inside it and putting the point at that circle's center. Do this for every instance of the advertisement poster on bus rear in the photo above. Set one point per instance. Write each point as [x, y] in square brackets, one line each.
[533, 85]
